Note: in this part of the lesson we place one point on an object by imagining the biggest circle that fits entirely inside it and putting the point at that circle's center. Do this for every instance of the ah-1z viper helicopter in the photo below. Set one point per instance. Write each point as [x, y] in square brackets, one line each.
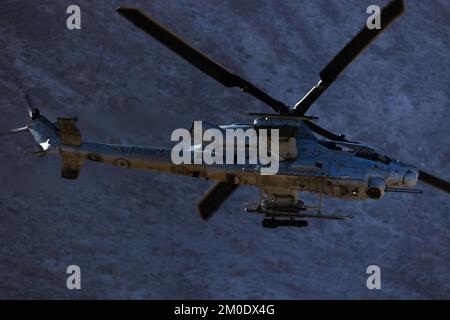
[335, 167]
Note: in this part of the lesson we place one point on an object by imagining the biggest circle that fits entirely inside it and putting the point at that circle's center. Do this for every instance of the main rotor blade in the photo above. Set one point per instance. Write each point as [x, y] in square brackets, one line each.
[197, 58]
[214, 197]
[324, 133]
[348, 54]
[434, 181]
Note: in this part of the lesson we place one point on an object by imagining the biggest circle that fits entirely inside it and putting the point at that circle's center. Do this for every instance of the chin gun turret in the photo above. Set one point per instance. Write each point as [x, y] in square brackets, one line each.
[376, 188]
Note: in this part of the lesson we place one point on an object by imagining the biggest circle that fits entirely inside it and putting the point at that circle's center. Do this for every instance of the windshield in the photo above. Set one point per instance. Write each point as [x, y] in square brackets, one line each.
[373, 154]
[358, 150]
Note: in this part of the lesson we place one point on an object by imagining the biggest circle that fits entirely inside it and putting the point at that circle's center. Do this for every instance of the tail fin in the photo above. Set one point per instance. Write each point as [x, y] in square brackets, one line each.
[50, 136]
[45, 133]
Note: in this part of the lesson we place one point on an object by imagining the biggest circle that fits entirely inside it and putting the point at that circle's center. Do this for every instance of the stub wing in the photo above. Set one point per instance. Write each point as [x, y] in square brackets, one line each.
[285, 203]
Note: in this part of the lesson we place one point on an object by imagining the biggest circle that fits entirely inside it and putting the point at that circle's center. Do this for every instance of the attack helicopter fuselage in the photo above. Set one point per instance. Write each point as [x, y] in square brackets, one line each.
[338, 169]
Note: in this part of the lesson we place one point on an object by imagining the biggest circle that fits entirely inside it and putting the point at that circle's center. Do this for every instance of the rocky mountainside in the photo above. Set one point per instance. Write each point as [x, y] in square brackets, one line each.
[137, 234]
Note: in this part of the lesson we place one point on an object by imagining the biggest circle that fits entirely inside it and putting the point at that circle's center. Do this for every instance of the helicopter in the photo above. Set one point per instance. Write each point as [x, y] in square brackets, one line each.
[312, 159]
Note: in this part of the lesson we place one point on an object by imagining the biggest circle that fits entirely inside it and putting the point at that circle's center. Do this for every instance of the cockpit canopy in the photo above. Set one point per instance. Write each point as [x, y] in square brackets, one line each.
[358, 150]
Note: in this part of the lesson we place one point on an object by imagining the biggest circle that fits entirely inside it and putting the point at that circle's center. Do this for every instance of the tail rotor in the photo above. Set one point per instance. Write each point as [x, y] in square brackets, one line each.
[33, 112]
[13, 131]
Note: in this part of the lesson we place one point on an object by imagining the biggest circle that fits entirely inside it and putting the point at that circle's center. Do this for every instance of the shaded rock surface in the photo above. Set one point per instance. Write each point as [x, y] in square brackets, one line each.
[137, 234]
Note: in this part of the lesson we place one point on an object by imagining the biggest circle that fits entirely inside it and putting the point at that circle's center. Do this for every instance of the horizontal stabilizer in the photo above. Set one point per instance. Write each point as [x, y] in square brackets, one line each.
[68, 132]
[71, 165]
[39, 153]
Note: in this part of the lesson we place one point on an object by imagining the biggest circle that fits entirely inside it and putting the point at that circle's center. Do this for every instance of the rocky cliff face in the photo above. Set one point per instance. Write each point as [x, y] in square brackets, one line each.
[137, 235]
